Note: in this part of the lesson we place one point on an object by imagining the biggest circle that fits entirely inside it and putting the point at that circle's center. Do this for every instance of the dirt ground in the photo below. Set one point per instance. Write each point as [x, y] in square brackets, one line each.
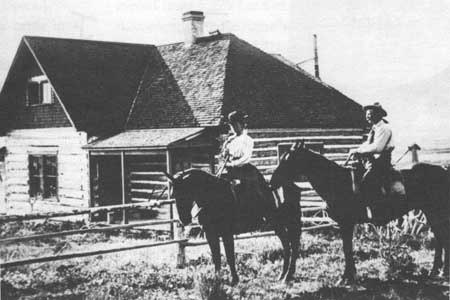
[386, 269]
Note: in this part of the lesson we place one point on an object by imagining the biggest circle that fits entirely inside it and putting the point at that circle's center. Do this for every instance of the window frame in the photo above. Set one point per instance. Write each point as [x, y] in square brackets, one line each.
[41, 81]
[42, 176]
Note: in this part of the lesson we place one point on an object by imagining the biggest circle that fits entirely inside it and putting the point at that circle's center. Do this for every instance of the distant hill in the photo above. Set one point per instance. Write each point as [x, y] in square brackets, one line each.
[420, 111]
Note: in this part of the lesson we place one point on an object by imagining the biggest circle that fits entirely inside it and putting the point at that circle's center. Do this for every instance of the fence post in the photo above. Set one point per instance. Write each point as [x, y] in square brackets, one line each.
[414, 148]
[110, 217]
[181, 256]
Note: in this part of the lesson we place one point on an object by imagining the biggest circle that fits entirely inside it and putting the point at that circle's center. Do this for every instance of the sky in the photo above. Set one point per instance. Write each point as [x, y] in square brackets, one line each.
[364, 46]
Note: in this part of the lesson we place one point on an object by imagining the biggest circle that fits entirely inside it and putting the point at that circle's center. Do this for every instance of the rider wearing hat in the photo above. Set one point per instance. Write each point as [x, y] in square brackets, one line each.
[379, 143]
[239, 146]
[375, 153]
[248, 185]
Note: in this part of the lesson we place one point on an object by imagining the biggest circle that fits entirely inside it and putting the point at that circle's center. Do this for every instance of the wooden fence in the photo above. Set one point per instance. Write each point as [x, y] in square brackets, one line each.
[179, 239]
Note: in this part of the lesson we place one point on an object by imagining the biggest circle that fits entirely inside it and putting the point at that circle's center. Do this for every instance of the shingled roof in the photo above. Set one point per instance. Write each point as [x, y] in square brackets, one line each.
[222, 73]
[276, 95]
[108, 87]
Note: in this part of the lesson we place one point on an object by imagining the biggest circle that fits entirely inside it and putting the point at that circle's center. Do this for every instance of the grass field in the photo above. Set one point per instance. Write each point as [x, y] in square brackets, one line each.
[387, 269]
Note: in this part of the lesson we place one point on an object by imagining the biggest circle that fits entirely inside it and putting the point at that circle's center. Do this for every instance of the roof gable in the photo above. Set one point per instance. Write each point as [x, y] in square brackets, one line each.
[96, 81]
[15, 112]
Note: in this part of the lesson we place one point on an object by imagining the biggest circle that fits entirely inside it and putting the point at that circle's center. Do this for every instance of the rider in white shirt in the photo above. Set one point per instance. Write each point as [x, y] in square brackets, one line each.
[376, 155]
[239, 146]
[380, 142]
[251, 192]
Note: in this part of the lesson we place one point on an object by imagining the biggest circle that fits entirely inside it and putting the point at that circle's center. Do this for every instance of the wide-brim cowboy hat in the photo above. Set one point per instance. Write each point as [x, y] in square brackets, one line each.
[376, 106]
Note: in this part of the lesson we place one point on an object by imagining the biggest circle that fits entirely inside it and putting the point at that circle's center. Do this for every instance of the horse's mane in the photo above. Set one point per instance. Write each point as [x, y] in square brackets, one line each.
[321, 161]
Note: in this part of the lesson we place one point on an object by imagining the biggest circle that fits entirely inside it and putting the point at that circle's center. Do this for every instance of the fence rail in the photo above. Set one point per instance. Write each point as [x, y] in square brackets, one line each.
[83, 231]
[151, 203]
[180, 240]
[86, 253]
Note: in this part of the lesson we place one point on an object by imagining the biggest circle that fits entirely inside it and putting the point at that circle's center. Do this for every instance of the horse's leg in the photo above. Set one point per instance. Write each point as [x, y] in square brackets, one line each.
[228, 243]
[213, 240]
[437, 263]
[284, 238]
[446, 261]
[441, 234]
[349, 275]
[446, 243]
[294, 232]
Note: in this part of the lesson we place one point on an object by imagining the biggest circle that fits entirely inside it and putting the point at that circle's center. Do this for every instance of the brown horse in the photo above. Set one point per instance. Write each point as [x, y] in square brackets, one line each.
[427, 189]
[219, 215]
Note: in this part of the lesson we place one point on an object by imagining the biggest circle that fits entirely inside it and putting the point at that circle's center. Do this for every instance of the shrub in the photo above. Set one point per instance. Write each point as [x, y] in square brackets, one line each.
[400, 263]
[210, 286]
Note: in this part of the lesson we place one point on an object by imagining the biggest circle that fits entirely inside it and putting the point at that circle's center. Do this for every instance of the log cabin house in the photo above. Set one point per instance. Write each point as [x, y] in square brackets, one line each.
[89, 123]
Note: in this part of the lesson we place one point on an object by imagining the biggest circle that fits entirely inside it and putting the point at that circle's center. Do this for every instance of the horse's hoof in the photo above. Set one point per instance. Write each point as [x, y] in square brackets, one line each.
[346, 281]
[282, 277]
[341, 282]
[434, 273]
[234, 281]
[288, 278]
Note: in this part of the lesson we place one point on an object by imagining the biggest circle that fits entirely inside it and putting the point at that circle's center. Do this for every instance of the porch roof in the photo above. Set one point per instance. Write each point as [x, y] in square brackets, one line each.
[161, 138]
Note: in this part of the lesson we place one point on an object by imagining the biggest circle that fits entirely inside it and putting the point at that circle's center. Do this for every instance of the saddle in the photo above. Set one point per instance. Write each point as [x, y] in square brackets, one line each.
[250, 190]
[385, 194]
[392, 183]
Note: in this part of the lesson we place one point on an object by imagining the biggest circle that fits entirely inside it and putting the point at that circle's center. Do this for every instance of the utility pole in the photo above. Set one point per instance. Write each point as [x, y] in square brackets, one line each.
[315, 58]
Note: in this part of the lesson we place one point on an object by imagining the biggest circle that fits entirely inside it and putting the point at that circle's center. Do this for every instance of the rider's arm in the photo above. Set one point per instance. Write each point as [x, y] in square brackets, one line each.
[247, 150]
[381, 138]
[225, 151]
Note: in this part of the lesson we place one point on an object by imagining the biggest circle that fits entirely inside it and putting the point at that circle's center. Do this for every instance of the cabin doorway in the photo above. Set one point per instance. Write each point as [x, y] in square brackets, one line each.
[110, 180]
[106, 183]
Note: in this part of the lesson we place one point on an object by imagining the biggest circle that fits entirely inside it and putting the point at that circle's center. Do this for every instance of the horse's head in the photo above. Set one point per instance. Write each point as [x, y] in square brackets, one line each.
[182, 192]
[291, 162]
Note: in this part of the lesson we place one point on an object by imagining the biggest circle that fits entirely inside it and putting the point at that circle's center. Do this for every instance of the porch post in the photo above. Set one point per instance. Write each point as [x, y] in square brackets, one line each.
[90, 187]
[169, 170]
[124, 187]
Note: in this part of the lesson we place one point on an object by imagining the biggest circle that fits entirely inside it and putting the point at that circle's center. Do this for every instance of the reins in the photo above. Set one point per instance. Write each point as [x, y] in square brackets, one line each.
[222, 168]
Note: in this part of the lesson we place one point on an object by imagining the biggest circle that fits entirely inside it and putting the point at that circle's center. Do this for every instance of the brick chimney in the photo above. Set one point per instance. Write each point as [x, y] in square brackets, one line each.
[193, 26]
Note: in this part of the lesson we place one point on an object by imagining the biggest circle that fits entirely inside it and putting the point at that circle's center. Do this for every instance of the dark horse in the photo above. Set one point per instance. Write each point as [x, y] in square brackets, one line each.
[427, 189]
[219, 215]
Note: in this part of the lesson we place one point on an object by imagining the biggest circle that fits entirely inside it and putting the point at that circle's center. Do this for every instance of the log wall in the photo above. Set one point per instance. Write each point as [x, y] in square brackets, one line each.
[335, 144]
[72, 166]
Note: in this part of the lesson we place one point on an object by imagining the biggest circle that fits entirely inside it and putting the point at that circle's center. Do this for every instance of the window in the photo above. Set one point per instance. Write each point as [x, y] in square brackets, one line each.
[43, 172]
[39, 91]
